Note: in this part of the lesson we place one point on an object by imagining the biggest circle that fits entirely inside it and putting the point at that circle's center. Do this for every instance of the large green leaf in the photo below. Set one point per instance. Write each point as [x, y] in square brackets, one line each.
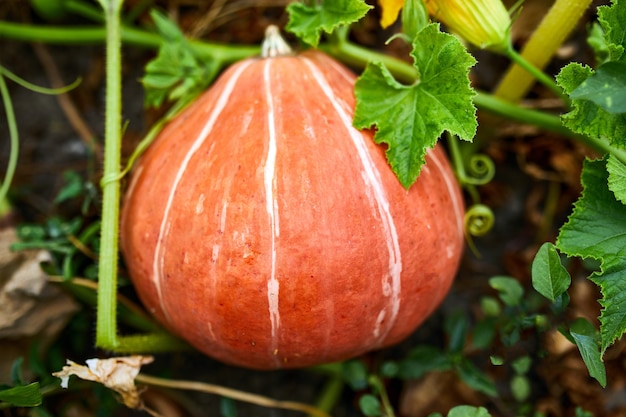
[308, 21]
[587, 117]
[598, 104]
[606, 88]
[410, 118]
[597, 229]
[613, 21]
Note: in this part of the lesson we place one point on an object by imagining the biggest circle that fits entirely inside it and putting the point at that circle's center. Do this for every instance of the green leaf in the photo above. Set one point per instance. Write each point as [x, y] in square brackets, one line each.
[596, 39]
[613, 21]
[423, 359]
[468, 411]
[475, 378]
[17, 377]
[496, 360]
[606, 88]
[549, 276]
[74, 187]
[176, 73]
[22, 395]
[389, 369]
[483, 333]
[520, 388]
[228, 407]
[370, 405]
[455, 327]
[587, 117]
[594, 112]
[522, 365]
[410, 118]
[308, 22]
[597, 229]
[355, 374]
[509, 289]
[617, 178]
[582, 413]
[588, 341]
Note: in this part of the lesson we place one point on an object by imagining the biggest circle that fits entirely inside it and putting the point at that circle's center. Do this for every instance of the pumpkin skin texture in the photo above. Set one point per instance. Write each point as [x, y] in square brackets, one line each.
[265, 230]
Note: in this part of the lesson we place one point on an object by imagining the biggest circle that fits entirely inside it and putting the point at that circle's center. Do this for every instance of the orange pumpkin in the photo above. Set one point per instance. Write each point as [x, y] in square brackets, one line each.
[269, 233]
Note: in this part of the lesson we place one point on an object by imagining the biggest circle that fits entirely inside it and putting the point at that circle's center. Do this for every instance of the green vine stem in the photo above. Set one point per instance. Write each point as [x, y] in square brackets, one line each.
[13, 137]
[106, 322]
[220, 53]
[547, 38]
[11, 121]
[379, 387]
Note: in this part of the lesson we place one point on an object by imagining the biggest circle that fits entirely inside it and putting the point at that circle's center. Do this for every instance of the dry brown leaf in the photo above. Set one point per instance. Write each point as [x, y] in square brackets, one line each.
[117, 374]
[30, 307]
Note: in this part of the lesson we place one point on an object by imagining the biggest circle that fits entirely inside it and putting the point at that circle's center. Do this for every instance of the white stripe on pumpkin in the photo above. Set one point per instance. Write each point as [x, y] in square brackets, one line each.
[271, 205]
[372, 180]
[159, 252]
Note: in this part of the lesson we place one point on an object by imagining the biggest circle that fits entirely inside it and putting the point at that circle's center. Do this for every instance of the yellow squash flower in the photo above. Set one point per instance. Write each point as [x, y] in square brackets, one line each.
[484, 23]
[390, 10]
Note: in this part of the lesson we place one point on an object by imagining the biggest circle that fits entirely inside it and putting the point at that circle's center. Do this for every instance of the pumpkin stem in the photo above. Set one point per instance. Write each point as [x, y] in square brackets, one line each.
[274, 45]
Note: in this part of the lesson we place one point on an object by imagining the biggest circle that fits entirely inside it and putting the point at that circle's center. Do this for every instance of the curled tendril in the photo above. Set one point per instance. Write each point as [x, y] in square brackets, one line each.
[480, 170]
[478, 220]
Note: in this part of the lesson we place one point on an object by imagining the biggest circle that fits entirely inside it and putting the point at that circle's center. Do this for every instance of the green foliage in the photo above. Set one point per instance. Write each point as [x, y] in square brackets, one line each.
[588, 341]
[370, 405]
[617, 178]
[549, 276]
[355, 374]
[596, 229]
[509, 289]
[177, 72]
[309, 21]
[596, 39]
[49, 9]
[67, 239]
[613, 21]
[587, 117]
[228, 407]
[466, 411]
[598, 107]
[21, 395]
[606, 87]
[410, 118]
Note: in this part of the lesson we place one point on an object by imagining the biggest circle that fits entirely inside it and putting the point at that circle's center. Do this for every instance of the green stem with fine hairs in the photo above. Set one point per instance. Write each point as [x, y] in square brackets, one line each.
[106, 320]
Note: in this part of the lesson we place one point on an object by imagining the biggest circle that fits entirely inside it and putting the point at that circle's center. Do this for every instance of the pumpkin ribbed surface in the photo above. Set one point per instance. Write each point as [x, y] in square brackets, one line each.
[268, 232]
